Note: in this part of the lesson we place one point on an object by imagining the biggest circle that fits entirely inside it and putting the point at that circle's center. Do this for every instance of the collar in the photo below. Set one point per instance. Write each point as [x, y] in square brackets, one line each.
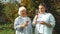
[22, 17]
[42, 14]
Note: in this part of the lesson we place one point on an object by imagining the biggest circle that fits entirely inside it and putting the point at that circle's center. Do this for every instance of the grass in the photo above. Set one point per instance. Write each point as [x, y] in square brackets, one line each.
[6, 29]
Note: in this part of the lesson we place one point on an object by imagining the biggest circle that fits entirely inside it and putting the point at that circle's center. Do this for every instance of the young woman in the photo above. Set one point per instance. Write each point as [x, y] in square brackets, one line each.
[44, 22]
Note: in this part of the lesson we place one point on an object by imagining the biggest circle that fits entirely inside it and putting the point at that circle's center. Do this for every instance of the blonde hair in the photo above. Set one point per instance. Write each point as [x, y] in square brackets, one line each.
[20, 9]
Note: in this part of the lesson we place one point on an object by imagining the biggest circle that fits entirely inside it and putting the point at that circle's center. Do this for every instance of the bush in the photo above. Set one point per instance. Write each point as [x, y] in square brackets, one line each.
[10, 10]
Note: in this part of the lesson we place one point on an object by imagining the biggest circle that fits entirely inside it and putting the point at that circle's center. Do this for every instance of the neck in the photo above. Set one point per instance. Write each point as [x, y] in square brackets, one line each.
[42, 12]
[22, 16]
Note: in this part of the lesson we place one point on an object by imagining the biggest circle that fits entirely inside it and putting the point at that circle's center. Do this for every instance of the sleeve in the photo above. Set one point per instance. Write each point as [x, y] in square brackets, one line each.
[30, 26]
[52, 20]
[17, 25]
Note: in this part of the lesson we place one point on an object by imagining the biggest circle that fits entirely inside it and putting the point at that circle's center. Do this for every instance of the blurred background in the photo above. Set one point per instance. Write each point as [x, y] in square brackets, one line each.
[9, 10]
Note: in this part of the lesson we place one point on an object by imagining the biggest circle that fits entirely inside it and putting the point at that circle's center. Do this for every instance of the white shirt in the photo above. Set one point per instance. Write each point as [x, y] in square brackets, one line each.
[44, 29]
[19, 21]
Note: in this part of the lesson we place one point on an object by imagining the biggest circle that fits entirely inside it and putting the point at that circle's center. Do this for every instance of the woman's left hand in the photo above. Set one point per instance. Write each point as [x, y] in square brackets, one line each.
[42, 22]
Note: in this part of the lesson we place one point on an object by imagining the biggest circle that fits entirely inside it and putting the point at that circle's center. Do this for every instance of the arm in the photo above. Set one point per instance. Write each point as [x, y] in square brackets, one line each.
[51, 21]
[18, 26]
[34, 20]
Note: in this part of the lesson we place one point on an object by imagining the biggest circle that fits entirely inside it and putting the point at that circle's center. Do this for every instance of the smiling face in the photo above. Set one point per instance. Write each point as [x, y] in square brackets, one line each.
[23, 13]
[42, 9]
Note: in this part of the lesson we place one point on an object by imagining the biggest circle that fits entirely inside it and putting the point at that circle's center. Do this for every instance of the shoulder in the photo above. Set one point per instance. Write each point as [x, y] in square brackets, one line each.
[50, 14]
[17, 18]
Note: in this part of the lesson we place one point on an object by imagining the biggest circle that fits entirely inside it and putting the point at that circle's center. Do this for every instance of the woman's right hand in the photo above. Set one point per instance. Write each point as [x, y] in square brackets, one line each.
[26, 23]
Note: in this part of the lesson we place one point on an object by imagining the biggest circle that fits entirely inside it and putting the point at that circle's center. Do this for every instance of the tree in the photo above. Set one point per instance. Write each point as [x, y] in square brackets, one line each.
[1, 7]
[10, 10]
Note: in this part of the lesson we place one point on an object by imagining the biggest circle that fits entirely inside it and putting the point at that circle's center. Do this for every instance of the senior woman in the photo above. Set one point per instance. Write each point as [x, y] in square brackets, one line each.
[44, 22]
[22, 23]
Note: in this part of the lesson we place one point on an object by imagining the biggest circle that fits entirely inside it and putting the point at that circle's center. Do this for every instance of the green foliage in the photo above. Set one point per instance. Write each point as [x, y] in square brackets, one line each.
[7, 31]
[6, 26]
[10, 10]
[1, 7]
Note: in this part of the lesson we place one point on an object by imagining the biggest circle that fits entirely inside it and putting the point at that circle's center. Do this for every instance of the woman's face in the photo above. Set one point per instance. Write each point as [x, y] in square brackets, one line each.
[41, 9]
[23, 13]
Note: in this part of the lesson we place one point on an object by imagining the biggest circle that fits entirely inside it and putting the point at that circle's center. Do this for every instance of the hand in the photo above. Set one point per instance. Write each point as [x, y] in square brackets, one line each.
[42, 22]
[36, 17]
[26, 23]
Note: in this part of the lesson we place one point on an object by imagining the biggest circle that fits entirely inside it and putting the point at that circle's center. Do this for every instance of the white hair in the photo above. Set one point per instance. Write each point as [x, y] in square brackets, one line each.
[20, 9]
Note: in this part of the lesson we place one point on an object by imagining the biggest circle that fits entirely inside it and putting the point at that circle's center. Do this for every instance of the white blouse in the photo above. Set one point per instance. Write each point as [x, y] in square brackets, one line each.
[44, 29]
[19, 21]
